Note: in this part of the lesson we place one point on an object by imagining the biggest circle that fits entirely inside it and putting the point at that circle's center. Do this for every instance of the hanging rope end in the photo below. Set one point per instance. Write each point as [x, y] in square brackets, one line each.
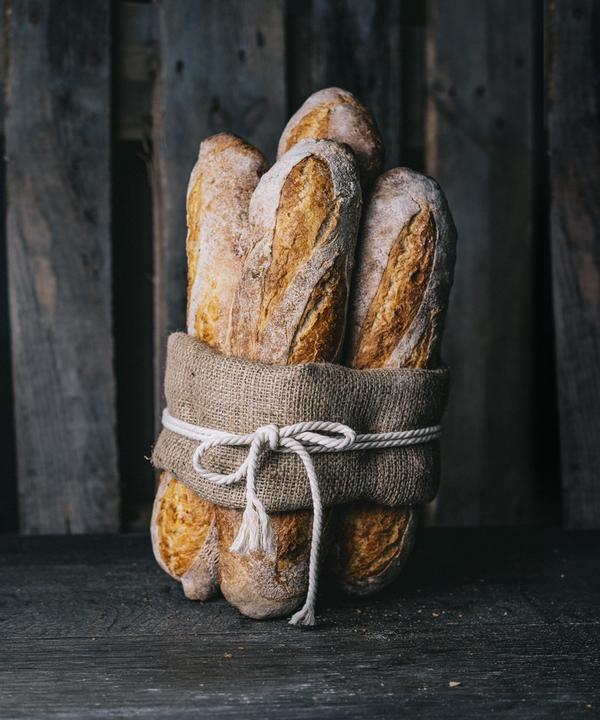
[305, 616]
[255, 533]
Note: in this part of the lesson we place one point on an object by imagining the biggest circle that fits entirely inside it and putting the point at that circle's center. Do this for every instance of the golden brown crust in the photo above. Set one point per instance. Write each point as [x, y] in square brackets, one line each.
[335, 114]
[303, 221]
[321, 328]
[219, 192]
[260, 586]
[403, 273]
[314, 124]
[306, 208]
[182, 522]
[370, 538]
[400, 292]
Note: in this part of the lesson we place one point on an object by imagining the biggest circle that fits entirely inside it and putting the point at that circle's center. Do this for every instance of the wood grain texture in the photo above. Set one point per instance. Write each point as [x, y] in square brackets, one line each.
[131, 230]
[135, 61]
[3, 59]
[8, 487]
[221, 68]
[59, 263]
[574, 137]
[9, 520]
[412, 136]
[354, 45]
[479, 134]
[511, 615]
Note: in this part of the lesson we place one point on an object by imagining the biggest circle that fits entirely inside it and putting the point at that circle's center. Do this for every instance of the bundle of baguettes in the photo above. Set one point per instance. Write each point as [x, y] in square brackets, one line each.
[271, 278]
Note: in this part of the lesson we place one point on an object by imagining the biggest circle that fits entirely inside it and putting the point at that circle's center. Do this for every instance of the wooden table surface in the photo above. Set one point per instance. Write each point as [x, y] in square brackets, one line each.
[484, 621]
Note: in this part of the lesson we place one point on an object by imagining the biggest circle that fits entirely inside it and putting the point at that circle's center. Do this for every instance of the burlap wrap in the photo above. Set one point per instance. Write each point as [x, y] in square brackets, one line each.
[205, 388]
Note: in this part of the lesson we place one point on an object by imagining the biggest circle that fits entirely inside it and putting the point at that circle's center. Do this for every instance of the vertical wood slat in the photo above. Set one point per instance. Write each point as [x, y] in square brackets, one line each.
[8, 486]
[574, 137]
[412, 145]
[480, 84]
[59, 261]
[134, 53]
[221, 68]
[3, 57]
[353, 44]
[135, 36]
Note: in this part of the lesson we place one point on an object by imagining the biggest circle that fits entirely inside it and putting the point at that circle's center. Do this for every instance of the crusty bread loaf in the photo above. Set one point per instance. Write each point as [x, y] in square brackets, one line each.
[290, 308]
[336, 114]
[228, 169]
[400, 288]
[403, 274]
[218, 198]
[371, 545]
[260, 586]
[183, 533]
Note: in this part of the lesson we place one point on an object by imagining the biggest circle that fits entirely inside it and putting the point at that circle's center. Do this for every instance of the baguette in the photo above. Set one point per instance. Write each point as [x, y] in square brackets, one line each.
[183, 527]
[400, 292]
[290, 308]
[336, 114]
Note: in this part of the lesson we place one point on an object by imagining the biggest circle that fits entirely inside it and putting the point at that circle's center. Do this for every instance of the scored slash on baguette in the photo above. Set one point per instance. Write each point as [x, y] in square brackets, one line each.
[403, 274]
[303, 222]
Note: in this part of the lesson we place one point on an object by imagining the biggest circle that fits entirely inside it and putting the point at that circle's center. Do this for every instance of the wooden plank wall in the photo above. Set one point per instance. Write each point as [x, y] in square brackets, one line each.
[574, 136]
[457, 89]
[480, 140]
[59, 265]
[8, 487]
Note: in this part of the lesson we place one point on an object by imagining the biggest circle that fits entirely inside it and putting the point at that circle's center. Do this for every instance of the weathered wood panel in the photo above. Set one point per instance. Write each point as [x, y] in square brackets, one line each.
[412, 140]
[353, 44]
[8, 486]
[221, 68]
[3, 58]
[59, 264]
[135, 59]
[481, 94]
[132, 244]
[574, 136]
[484, 623]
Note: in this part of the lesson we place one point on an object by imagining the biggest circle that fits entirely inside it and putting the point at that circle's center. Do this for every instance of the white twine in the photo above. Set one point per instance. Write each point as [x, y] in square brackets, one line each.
[304, 439]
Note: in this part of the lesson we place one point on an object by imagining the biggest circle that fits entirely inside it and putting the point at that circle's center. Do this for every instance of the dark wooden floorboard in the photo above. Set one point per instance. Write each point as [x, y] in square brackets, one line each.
[91, 627]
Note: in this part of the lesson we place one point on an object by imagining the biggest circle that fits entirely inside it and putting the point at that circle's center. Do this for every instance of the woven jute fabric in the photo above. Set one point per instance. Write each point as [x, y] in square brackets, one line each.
[205, 388]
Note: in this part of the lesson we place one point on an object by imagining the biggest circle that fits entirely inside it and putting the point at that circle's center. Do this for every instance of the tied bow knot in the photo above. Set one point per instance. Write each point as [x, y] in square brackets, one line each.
[303, 439]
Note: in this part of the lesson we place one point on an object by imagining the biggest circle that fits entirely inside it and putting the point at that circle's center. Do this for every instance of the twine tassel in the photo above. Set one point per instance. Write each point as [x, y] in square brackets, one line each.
[255, 533]
[304, 616]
